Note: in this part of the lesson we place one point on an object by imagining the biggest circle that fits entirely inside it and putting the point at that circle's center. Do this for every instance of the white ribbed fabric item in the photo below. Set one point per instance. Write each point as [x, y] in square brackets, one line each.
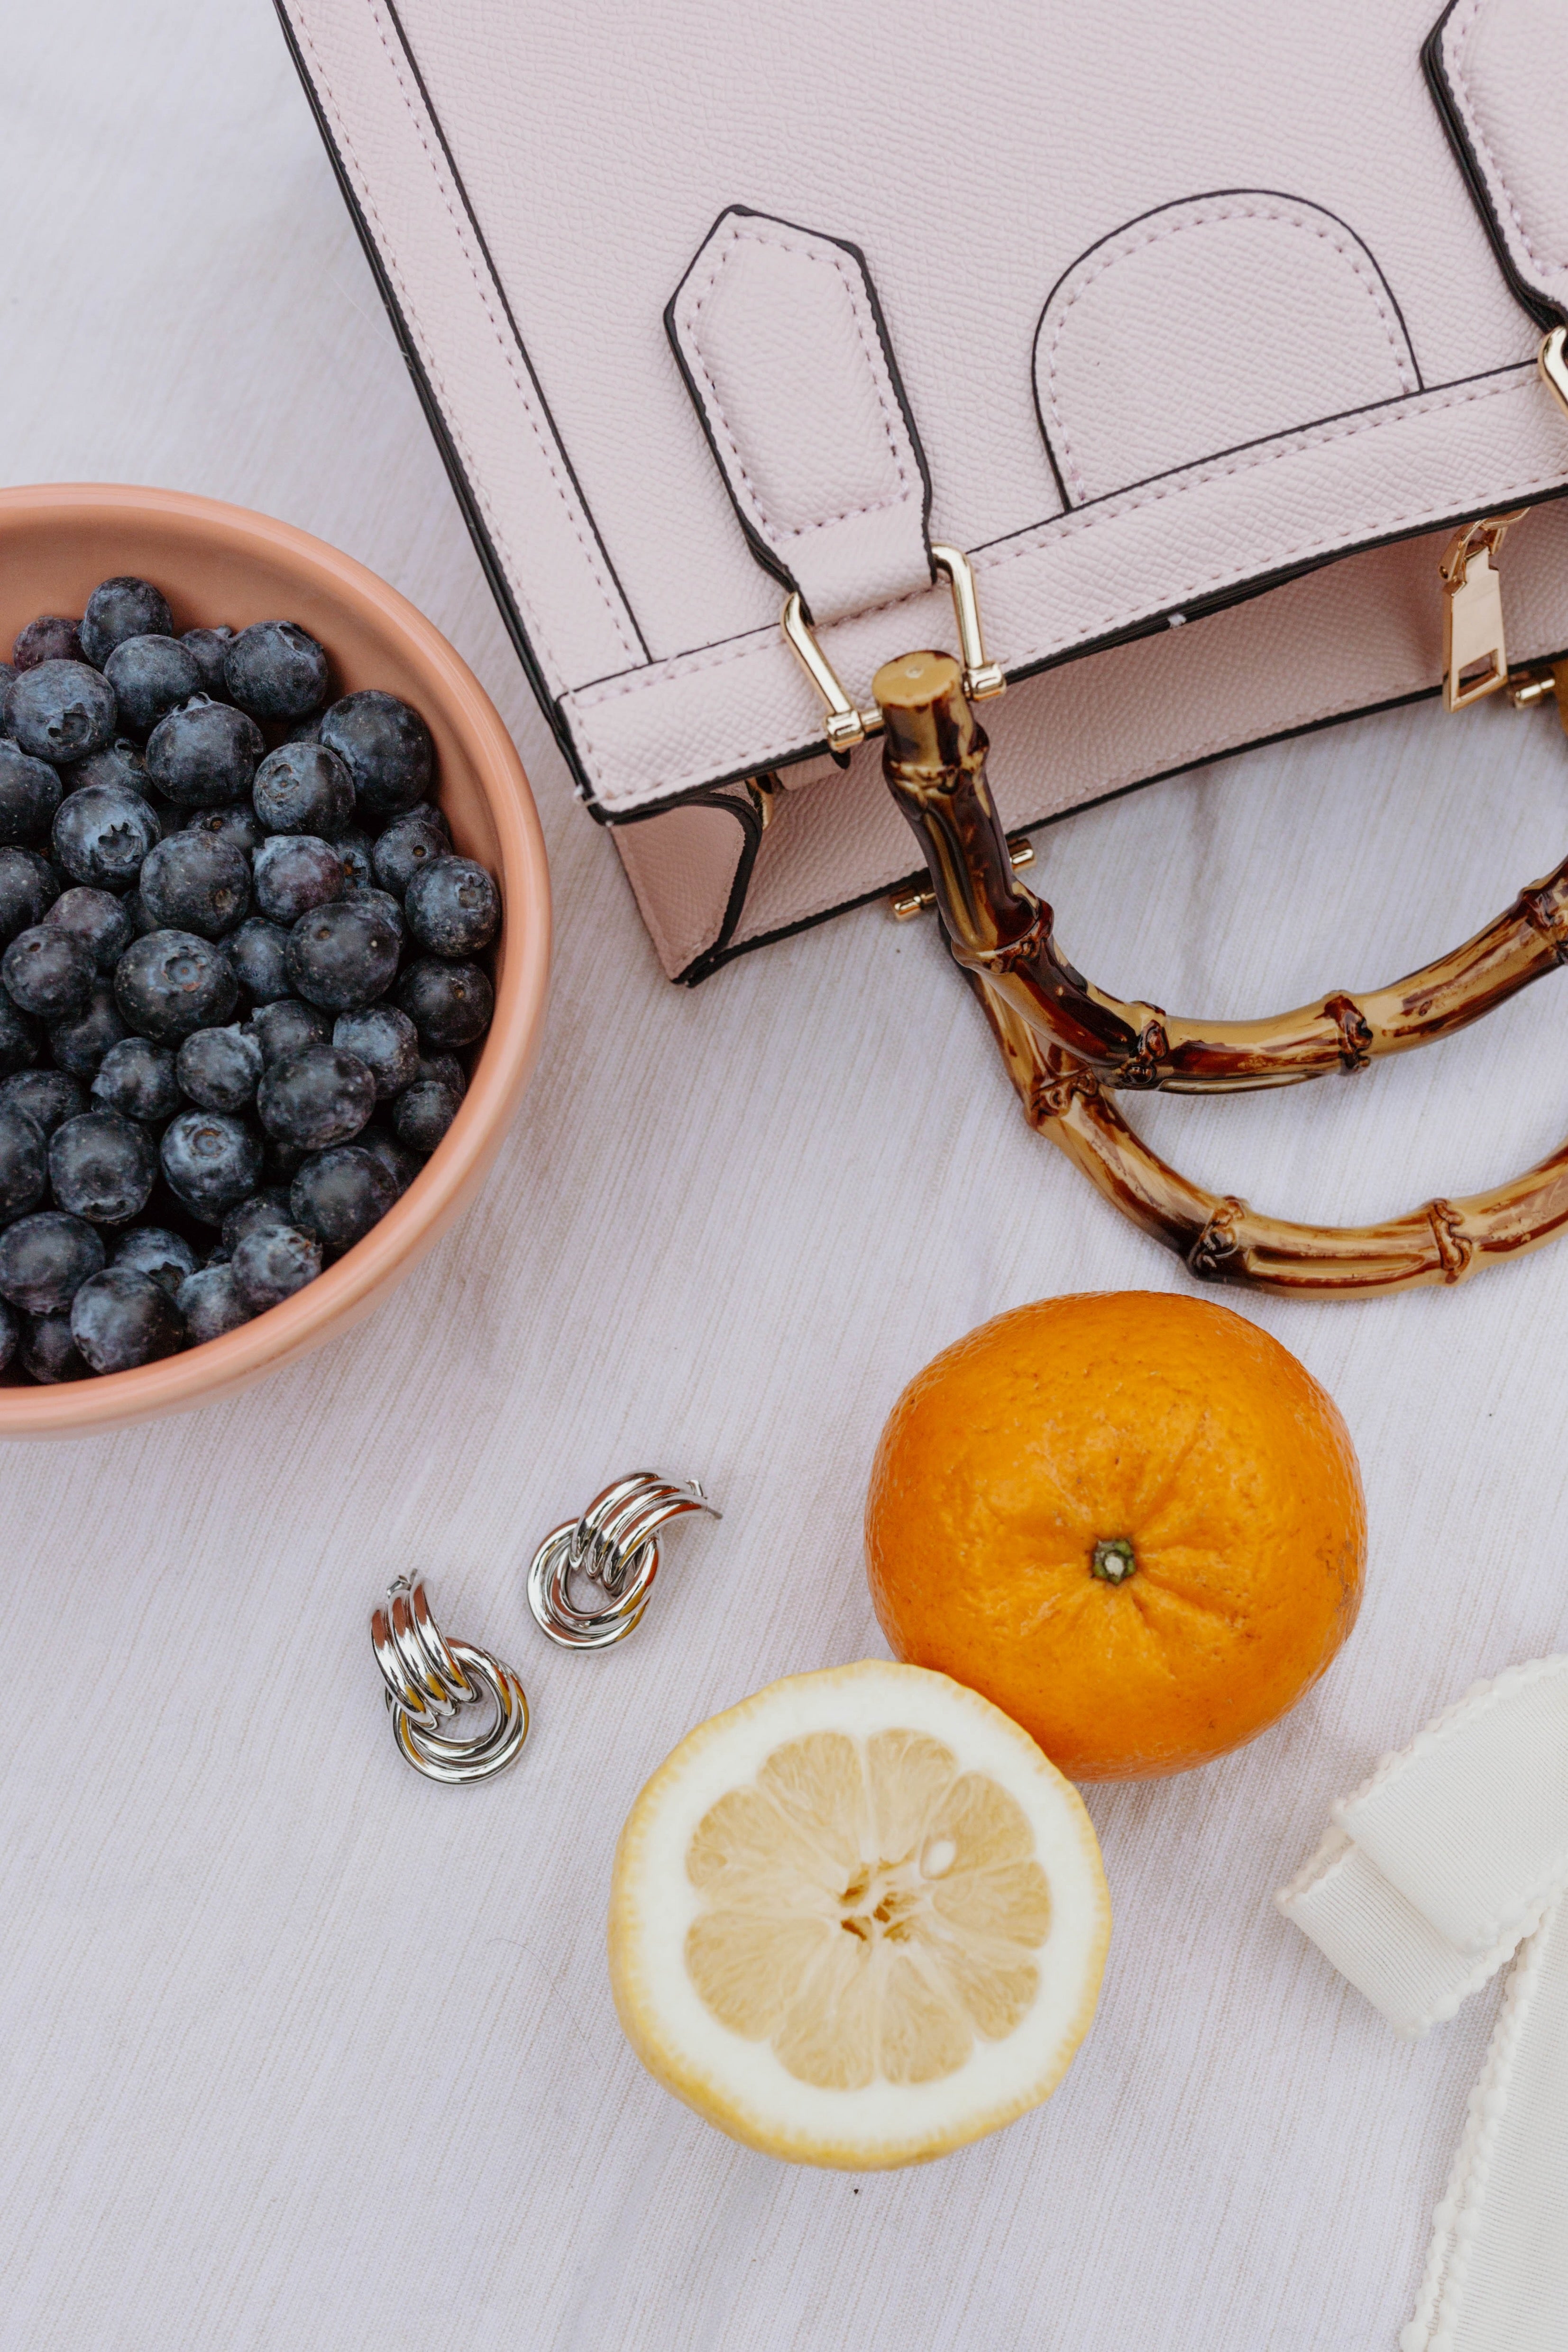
[1453, 1856]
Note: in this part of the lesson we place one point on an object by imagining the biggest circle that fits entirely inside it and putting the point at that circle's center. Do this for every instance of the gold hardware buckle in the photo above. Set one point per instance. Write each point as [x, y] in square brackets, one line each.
[1472, 612]
[907, 904]
[1551, 361]
[846, 725]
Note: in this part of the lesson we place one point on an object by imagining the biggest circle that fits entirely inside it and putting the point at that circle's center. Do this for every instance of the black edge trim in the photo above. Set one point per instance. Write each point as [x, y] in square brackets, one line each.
[764, 553]
[1208, 195]
[462, 489]
[713, 958]
[1546, 314]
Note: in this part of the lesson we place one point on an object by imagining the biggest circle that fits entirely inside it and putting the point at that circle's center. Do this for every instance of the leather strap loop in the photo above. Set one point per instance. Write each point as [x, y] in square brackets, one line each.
[780, 340]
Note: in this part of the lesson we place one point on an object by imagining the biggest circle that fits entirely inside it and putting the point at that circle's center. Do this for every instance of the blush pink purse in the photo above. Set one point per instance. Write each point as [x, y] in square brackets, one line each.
[1181, 369]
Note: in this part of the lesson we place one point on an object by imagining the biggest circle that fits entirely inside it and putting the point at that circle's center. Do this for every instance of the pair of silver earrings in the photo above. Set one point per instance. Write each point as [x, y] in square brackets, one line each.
[430, 1680]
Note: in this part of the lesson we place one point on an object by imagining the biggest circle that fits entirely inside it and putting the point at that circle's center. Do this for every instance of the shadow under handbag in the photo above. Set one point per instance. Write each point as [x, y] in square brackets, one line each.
[1182, 368]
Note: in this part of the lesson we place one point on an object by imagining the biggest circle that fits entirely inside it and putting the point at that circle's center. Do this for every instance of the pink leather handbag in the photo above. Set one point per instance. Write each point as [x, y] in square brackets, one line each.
[1183, 369]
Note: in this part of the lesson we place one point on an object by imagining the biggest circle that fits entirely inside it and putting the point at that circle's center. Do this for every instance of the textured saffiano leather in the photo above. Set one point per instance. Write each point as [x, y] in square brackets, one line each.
[1174, 305]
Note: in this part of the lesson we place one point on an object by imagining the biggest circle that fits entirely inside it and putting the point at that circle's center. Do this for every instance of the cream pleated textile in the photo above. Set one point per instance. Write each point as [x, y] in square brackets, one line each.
[1452, 1858]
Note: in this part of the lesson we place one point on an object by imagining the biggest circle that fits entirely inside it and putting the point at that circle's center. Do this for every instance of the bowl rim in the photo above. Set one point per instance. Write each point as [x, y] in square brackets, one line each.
[347, 1290]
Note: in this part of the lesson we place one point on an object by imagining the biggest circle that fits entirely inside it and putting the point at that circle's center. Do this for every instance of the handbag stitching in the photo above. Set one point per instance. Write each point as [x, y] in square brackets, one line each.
[797, 530]
[595, 573]
[388, 249]
[1118, 250]
[1463, 26]
[1065, 526]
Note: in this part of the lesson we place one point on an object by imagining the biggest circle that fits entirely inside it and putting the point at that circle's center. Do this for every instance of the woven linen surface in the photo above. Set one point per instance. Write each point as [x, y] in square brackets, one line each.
[297, 2049]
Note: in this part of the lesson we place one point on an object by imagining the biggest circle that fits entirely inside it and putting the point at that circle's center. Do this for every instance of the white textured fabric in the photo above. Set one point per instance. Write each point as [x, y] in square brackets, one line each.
[1454, 1850]
[299, 2051]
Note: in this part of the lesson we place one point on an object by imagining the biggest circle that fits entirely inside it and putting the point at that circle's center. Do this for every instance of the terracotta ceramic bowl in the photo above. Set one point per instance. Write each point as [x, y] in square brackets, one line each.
[218, 563]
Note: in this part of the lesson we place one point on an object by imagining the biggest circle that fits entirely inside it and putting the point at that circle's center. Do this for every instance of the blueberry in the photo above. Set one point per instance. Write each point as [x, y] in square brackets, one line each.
[317, 1097]
[343, 956]
[257, 952]
[400, 1163]
[120, 1318]
[304, 788]
[238, 825]
[137, 1078]
[340, 1194]
[446, 1070]
[121, 608]
[49, 974]
[421, 1114]
[205, 754]
[449, 1003]
[355, 849]
[61, 712]
[81, 1045]
[98, 920]
[7, 680]
[10, 1334]
[28, 887]
[277, 670]
[208, 648]
[101, 1166]
[219, 1068]
[153, 1249]
[409, 843]
[47, 1095]
[120, 763]
[386, 748]
[196, 882]
[284, 1025]
[271, 1264]
[45, 1260]
[49, 1353]
[171, 982]
[29, 794]
[294, 873]
[453, 907]
[151, 677]
[386, 1041]
[305, 730]
[211, 1161]
[211, 1302]
[48, 639]
[258, 1212]
[103, 833]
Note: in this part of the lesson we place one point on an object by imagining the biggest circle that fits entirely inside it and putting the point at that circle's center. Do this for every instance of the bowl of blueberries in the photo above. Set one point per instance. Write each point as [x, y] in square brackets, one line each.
[274, 948]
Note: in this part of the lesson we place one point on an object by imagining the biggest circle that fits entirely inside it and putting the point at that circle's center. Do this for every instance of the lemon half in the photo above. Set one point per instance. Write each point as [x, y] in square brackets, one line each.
[858, 1920]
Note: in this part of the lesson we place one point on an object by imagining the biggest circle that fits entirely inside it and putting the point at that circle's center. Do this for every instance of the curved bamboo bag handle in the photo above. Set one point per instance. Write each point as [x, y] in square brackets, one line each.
[1066, 1044]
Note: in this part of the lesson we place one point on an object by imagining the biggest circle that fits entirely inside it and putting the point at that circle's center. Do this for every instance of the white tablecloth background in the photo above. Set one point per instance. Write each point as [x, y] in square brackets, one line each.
[297, 2049]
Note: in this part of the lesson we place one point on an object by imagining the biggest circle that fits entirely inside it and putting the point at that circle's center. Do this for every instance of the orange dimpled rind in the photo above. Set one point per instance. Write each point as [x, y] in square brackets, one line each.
[1151, 1423]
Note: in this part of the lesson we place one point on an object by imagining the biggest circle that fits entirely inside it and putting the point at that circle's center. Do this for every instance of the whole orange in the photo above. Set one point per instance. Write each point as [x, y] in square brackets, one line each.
[1131, 1520]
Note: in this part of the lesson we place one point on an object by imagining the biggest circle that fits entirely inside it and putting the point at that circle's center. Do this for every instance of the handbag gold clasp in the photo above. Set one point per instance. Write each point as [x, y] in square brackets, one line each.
[1475, 655]
[846, 725]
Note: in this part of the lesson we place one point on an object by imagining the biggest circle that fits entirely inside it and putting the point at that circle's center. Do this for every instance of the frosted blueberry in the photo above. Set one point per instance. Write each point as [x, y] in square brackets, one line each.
[151, 677]
[120, 1318]
[121, 608]
[101, 1166]
[61, 712]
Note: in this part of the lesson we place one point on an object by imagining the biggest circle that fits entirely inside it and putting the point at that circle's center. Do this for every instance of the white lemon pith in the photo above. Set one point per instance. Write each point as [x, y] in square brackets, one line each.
[859, 1920]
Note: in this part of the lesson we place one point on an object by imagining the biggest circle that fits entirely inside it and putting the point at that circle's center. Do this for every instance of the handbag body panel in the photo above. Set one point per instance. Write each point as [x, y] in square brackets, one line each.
[1153, 317]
